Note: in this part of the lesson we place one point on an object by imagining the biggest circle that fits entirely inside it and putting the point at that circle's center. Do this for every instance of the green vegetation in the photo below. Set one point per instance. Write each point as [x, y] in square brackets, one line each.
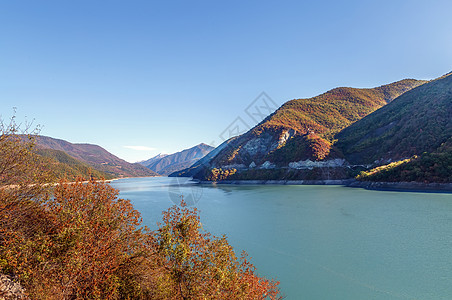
[427, 168]
[95, 156]
[80, 241]
[61, 165]
[384, 169]
[417, 122]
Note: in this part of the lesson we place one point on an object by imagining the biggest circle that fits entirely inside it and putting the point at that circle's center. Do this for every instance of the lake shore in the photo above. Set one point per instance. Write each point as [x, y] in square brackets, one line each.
[403, 186]
[369, 185]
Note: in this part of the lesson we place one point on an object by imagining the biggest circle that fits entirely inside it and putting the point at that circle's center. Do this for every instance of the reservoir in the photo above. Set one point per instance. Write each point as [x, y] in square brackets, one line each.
[321, 242]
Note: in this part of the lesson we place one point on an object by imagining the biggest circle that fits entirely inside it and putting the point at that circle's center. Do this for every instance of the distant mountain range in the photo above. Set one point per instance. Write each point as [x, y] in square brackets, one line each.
[165, 164]
[340, 133]
[71, 160]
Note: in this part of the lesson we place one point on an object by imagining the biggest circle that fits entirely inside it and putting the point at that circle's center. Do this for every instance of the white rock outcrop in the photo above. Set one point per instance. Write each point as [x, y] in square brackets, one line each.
[267, 165]
[309, 164]
[233, 166]
[10, 289]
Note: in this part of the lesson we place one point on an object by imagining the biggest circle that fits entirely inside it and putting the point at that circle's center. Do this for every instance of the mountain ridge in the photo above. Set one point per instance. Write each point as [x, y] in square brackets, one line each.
[421, 115]
[177, 161]
[95, 156]
[410, 139]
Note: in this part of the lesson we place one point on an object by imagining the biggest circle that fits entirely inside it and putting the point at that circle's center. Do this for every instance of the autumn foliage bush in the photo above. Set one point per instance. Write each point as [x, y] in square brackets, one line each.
[202, 266]
[79, 240]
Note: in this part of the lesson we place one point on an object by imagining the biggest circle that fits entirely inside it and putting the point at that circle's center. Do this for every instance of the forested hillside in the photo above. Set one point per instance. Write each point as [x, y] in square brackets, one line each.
[300, 130]
[93, 155]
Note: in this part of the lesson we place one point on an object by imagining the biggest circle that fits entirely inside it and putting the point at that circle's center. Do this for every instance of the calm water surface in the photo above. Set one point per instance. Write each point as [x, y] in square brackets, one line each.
[322, 242]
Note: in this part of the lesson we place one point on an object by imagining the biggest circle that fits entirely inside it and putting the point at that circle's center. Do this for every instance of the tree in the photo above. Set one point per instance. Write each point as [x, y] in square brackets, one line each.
[202, 266]
[98, 235]
[23, 187]
[21, 177]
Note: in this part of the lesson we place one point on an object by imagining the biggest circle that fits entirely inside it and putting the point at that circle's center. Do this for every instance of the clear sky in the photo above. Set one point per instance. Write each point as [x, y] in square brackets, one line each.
[143, 77]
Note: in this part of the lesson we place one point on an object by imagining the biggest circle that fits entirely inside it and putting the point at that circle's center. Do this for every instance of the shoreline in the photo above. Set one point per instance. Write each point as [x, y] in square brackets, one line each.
[280, 182]
[352, 183]
[403, 186]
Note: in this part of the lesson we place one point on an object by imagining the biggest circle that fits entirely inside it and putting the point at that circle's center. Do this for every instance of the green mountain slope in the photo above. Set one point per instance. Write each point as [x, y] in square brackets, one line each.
[301, 129]
[418, 121]
[62, 165]
[410, 139]
[96, 157]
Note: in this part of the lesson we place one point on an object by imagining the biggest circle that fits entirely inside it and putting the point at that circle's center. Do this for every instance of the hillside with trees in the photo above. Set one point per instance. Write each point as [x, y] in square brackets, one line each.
[95, 156]
[418, 121]
[300, 130]
[62, 165]
[435, 167]
[411, 138]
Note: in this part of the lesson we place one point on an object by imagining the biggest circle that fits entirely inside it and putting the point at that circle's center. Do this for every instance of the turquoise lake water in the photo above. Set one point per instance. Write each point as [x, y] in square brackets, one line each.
[322, 242]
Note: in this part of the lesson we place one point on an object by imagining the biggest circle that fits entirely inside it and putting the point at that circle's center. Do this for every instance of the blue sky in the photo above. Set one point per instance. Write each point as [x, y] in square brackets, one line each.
[143, 77]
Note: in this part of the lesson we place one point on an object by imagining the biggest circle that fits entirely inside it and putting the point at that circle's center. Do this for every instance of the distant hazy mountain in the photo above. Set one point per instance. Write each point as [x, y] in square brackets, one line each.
[202, 164]
[167, 164]
[297, 140]
[152, 160]
[94, 156]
